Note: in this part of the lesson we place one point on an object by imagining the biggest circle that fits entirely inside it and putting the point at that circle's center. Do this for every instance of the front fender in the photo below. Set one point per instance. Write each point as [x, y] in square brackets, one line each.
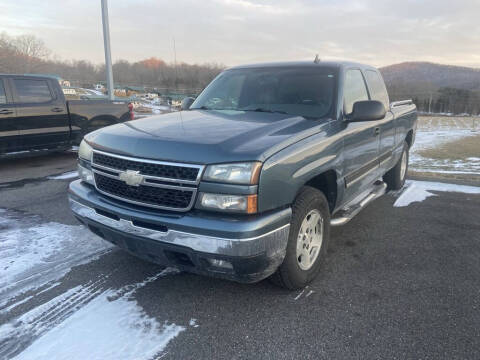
[284, 173]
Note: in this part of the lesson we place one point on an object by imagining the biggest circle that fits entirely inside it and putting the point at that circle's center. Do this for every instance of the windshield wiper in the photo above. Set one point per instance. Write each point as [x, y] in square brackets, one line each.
[265, 110]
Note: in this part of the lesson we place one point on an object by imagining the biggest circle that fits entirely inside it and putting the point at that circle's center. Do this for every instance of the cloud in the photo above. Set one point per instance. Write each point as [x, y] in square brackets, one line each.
[240, 31]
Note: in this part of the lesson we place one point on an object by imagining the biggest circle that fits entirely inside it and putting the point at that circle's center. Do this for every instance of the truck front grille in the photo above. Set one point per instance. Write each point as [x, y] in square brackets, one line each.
[157, 169]
[168, 186]
[145, 195]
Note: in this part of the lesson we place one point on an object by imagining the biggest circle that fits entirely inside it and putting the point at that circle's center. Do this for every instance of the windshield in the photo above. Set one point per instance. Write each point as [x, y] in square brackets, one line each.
[307, 92]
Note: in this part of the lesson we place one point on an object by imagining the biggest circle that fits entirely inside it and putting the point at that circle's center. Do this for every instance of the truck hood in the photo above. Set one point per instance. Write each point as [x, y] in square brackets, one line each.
[203, 137]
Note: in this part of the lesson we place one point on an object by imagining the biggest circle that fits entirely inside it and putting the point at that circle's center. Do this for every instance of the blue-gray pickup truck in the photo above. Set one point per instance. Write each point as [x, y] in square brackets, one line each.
[245, 182]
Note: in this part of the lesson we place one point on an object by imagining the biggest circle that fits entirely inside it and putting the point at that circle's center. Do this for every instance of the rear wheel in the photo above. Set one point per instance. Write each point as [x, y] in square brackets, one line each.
[307, 242]
[395, 177]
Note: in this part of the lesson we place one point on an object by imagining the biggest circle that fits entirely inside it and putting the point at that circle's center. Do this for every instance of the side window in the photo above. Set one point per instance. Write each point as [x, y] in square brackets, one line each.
[32, 91]
[377, 87]
[354, 90]
[3, 96]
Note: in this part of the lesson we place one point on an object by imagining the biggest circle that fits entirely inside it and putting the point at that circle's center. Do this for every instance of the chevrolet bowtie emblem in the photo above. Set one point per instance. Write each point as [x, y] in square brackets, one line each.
[131, 177]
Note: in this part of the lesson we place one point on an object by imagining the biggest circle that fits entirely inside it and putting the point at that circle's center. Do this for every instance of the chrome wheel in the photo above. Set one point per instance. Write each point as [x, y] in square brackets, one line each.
[309, 239]
[403, 165]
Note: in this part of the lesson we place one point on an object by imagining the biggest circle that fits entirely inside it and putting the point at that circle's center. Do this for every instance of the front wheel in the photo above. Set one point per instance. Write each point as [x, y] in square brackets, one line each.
[395, 177]
[308, 240]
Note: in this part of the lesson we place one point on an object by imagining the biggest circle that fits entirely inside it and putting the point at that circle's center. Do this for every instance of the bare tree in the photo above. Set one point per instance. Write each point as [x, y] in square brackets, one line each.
[31, 52]
[7, 54]
[31, 46]
[23, 53]
[28, 54]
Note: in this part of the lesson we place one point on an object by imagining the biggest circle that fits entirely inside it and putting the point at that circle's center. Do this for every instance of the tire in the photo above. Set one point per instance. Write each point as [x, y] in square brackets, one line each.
[297, 271]
[395, 177]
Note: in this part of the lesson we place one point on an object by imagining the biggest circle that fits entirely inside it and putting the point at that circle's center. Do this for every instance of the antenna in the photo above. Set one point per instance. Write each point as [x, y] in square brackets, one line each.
[317, 59]
[175, 63]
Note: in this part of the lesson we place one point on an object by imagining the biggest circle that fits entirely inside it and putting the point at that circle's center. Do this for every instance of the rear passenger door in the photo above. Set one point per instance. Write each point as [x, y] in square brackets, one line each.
[8, 127]
[378, 91]
[42, 116]
[361, 140]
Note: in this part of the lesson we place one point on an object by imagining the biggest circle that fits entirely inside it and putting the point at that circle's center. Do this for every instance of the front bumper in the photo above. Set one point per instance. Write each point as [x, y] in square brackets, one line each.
[253, 246]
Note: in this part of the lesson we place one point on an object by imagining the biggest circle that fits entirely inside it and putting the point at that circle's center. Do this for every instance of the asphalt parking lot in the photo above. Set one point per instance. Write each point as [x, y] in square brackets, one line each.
[398, 283]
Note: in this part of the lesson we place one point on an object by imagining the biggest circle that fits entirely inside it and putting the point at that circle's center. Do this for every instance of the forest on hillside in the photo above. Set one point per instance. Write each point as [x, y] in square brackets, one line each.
[27, 54]
[433, 87]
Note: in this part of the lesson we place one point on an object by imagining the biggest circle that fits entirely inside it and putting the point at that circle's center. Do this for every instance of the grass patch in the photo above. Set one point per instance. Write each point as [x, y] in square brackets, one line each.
[455, 150]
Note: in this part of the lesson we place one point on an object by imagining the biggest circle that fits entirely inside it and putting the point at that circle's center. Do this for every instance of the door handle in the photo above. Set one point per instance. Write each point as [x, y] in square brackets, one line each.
[6, 111]
[57, 109]
[377, 131]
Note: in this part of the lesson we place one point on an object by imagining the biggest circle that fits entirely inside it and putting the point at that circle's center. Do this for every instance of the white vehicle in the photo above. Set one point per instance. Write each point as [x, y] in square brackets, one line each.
[149, 96]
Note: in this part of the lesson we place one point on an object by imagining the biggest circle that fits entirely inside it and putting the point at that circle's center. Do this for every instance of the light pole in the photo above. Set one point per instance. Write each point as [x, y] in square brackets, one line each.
[108, 56]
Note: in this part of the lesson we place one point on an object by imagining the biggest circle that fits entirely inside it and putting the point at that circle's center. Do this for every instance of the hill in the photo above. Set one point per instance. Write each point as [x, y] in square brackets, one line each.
[435, 87]
[435, 75]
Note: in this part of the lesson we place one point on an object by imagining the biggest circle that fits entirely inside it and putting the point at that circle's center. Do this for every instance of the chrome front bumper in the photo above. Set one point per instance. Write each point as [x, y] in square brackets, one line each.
[272, 243]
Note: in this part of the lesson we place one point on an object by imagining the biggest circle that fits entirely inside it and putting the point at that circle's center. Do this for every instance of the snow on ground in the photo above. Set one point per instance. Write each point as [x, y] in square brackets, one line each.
[433, 138]
[89, 322]
[67, 175]
[417, 191]
[34, 254]
[433, 132]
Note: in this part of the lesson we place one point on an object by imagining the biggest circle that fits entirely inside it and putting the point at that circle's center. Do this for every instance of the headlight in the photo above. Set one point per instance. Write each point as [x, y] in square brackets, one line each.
[236, 173]
[85, 151]
[235, 203]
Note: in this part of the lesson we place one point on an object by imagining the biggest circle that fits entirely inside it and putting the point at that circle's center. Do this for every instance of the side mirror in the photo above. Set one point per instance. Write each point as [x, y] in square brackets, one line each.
[187, 102]
[368, 110]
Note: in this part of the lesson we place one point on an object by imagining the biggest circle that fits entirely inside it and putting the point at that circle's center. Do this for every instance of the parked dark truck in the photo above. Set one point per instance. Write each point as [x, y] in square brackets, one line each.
[247, 183]
[34, 115]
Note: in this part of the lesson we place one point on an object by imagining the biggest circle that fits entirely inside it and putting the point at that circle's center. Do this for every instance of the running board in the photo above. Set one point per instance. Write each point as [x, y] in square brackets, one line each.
[346, 214]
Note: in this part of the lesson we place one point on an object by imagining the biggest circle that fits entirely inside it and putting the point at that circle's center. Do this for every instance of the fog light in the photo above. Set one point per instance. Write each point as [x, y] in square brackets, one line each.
[85, 174]
[220, 264]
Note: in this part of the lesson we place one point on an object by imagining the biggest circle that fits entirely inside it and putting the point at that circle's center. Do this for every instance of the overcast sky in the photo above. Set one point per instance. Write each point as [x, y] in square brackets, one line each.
[233, 32]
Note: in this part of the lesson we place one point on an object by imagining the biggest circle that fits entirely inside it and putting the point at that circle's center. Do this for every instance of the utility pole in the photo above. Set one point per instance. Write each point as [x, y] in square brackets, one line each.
[108, 55]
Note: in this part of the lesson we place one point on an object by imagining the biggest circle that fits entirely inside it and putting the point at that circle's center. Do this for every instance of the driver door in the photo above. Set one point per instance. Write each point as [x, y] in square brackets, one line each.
[361, 140]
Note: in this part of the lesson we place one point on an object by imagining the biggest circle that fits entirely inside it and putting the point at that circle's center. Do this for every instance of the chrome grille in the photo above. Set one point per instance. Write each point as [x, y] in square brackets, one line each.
[160, 170]
[158, 184]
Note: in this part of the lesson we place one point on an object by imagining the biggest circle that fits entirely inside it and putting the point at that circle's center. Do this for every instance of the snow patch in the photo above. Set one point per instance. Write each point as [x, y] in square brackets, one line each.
[105, 330]
[89, 322]
[67, 175]
[430, 139]
[33, 254]
[299, 295]
[418, 191]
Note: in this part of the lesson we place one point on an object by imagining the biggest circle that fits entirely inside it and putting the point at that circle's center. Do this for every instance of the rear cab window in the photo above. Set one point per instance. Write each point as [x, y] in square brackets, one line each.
[377, 88]
[354, 90]
[32, 90]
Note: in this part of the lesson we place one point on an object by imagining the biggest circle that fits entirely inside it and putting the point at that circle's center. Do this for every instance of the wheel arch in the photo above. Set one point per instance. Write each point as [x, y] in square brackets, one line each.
[326, 182]
[409, 138]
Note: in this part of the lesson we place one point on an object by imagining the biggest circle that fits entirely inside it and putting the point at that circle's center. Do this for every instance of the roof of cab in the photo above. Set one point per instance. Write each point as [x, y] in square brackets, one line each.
[334, 64]
[49, 76]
